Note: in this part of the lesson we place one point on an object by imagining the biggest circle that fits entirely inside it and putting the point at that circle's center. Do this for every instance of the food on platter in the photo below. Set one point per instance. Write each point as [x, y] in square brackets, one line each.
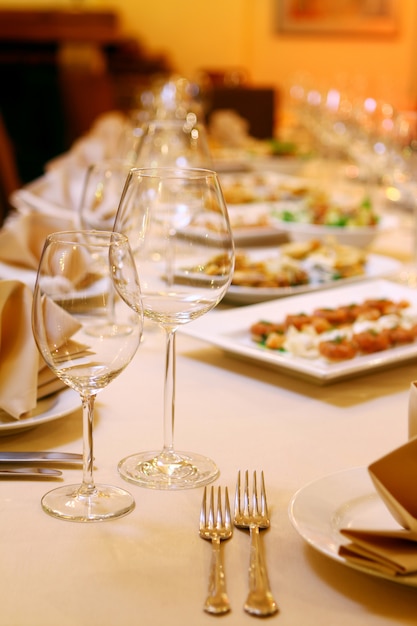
[340, 333]
[323, 208]
[292, 264]
[258, 187]
[296, 200]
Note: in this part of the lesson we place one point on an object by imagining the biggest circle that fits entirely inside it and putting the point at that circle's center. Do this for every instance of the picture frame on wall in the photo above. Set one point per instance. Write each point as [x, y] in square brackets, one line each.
[338, 17]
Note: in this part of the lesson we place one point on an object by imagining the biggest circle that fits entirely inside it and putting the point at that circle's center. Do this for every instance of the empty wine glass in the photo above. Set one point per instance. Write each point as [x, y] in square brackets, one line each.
[71, 297]
[101, 190]
[174, 143]
[402, 180]
[177, 221]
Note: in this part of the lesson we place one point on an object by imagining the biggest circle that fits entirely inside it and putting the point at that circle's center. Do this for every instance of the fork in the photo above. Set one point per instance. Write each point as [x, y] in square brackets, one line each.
[216, 528]
[253, 515]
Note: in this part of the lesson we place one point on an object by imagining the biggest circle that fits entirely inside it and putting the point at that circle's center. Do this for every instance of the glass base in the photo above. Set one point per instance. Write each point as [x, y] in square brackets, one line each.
[104, 503]
[168, 470]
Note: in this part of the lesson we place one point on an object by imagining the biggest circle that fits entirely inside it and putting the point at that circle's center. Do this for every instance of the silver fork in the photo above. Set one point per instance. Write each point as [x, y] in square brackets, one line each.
[216, 528]
[253, 515]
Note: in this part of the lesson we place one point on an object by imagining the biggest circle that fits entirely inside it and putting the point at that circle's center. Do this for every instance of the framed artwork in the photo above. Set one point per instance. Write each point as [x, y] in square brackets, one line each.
[350, 17]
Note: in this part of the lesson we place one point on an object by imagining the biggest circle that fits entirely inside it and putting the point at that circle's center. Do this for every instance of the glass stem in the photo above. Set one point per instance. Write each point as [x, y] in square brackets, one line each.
[88, 488]
[169, 393]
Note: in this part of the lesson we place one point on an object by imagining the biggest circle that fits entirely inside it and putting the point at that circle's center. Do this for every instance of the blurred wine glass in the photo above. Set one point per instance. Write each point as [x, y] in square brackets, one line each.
[174, 143]
[101, 192]
[401, 187]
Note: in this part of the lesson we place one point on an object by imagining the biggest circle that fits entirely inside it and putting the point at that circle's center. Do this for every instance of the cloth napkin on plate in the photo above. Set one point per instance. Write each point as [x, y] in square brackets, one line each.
[390, 551]
[23, 236]
[24, 376]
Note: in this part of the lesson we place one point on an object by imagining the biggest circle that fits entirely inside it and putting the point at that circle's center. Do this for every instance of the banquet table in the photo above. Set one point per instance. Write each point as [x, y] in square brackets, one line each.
[151, 566]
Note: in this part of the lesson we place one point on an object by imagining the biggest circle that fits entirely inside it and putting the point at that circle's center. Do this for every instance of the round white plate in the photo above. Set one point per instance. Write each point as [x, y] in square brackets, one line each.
[48, 409]
[346, 499]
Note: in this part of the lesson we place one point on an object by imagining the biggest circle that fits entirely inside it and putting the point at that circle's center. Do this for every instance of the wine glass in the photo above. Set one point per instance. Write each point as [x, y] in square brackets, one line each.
[101, 190]
[70, 298]
[177, 221]
[402, 179]
[174, 143]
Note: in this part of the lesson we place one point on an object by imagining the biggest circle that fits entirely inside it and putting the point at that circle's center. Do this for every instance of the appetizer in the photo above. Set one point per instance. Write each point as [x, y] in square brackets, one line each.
[340, 333]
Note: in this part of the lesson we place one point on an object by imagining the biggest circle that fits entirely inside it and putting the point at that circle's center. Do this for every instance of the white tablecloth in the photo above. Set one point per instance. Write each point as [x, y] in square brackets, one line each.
[151, 567]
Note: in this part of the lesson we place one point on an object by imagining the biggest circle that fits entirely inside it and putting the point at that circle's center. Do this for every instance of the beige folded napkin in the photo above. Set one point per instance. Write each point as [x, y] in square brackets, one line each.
[19, 357]
[390, 551]
[24, 376]
[23, 236]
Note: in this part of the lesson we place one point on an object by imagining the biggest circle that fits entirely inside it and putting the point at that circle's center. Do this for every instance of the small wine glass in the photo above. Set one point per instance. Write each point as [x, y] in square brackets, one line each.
[70, 298]
[177, 221]
[101, 191]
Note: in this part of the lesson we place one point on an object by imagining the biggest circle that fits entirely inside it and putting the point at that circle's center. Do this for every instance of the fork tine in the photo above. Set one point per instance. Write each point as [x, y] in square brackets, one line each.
[211, 510]
[219, 517]
[246, 508]
[227, 515]
[237, 496]
[203, 510]
[264, 504]
[255, 509]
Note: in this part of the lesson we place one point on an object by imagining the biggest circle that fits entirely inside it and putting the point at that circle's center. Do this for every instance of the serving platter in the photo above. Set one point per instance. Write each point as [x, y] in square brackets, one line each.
[229, 331]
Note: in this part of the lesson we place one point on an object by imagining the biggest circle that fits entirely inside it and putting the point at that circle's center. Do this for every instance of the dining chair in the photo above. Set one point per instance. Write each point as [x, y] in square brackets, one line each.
[9, 176]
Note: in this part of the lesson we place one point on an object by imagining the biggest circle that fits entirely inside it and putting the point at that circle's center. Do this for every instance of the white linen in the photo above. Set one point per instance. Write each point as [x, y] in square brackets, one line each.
[151, 565]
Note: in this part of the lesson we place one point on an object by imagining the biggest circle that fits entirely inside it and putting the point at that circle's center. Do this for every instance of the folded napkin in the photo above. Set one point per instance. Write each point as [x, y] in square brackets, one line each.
[23, 236]
[25, 378]
[390, 551]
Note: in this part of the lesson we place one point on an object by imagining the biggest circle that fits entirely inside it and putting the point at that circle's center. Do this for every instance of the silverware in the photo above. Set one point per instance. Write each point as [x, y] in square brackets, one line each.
[39, 457]
[39, 472]
[216, 528]
[253, 515]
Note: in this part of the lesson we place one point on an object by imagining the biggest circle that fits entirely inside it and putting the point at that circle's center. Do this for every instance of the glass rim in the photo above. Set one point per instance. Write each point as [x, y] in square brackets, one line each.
[172, 172]
[108, 237]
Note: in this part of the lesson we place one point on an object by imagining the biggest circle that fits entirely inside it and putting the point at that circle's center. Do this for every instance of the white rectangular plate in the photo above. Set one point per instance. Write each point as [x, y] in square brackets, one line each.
[229, 330]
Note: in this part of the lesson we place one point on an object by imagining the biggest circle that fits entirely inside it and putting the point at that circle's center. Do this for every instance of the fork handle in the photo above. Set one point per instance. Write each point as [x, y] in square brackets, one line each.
[217, 601]
[260, 600]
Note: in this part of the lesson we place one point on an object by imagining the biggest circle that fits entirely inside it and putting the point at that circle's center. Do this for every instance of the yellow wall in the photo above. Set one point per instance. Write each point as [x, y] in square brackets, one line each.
[229, 33]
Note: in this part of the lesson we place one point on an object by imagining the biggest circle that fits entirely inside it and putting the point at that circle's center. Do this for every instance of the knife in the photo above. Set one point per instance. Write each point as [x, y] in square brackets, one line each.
[40, 457]
[40, 472]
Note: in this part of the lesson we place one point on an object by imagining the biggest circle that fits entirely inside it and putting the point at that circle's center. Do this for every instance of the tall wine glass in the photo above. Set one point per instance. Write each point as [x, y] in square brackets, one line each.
[70, 298]
[174, 143]
[177, 221]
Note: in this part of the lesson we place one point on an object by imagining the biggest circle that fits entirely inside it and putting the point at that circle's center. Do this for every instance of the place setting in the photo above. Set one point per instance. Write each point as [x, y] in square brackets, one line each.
[365, 518]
